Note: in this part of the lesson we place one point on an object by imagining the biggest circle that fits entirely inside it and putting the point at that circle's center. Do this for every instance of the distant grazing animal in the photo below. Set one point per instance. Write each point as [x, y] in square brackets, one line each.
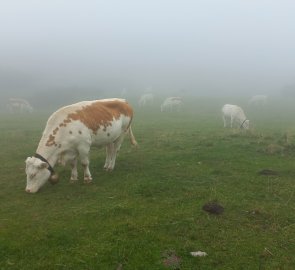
[71, 131]
[258, 100]
[19, 105]
[146, 99]
[171, 104]
[236, 115]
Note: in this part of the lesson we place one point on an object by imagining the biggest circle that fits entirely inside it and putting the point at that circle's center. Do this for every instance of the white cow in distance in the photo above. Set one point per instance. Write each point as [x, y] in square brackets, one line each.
[258, 100]
[236, 116]
[69, 134]
[19, 105]
[146, 99]
[172, 104]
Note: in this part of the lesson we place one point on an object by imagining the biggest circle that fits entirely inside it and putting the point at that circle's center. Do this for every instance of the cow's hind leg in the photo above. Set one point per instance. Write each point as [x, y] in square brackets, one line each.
[117, 146]
[113, 150]
[74, 173]
[109, 154]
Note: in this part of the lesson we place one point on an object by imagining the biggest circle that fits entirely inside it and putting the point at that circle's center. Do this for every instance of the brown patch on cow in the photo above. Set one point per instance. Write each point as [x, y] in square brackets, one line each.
[50, 141]
[101, 114]
[55, 131]
[71, 132]
[66, 121]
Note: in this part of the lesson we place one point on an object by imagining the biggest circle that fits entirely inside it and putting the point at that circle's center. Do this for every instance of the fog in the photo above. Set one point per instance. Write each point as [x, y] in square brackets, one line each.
[98, 48]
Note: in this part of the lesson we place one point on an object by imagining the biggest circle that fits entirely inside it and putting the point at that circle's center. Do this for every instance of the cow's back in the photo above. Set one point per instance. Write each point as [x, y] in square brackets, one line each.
[98, 122]
[228, 109]
[234, 111]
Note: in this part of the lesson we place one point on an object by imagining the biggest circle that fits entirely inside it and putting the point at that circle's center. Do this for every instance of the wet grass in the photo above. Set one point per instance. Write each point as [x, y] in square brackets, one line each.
[147, 213]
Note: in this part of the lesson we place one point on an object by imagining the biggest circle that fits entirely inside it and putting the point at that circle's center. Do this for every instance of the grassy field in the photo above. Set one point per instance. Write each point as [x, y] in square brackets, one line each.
[147, 213]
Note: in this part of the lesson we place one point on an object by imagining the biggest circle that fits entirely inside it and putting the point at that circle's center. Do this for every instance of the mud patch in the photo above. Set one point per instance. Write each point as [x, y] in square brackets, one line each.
[267, 172]
[213, 208]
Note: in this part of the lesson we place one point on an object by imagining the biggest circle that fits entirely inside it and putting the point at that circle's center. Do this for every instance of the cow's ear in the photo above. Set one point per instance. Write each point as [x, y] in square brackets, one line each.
[43, 165]
[28, 160]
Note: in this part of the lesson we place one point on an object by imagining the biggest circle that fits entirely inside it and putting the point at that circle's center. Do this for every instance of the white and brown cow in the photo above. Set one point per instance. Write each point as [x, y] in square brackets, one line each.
[69, 134]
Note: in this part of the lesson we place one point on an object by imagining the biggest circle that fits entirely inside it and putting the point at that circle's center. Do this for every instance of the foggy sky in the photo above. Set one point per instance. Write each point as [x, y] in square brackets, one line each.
[209, 46]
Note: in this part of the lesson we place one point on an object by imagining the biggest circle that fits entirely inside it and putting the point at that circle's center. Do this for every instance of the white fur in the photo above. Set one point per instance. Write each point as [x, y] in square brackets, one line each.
[75, 141]
[19, 105]
[236, 116]
[146, 99]
[171, 104]
[258, 100]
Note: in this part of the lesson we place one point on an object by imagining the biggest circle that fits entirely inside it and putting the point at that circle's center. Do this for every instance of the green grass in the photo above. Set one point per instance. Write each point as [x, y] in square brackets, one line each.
[149, 208]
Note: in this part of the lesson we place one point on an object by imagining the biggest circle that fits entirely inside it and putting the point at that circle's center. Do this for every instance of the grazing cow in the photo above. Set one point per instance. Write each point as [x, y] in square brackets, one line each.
[258, 100]
[146, 99]
[70, 132]
[236, 115]
[19, 105]
[171, 104]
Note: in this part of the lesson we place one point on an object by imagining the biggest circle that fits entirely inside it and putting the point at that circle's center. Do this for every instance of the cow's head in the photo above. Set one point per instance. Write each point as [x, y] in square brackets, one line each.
[37, 174]
[246, 124]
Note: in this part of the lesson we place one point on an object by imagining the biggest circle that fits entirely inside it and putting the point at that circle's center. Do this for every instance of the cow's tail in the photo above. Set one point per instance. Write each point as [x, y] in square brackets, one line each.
[131, 136]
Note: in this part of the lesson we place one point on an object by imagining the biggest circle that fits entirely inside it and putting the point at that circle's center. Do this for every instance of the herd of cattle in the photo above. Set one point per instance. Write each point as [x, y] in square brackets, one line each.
[73, 129]
[20, 105]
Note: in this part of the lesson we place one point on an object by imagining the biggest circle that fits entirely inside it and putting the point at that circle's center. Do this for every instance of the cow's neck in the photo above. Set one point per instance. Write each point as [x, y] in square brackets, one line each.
[50, 153]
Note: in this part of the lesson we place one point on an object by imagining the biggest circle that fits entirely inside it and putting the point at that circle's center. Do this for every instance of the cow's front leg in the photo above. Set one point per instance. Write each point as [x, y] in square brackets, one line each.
[224, 121]
[74, 173]
[231, 121]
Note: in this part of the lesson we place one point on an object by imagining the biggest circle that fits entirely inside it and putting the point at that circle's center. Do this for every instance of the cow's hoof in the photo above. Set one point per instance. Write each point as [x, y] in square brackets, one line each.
[87, 180]
[72, 181]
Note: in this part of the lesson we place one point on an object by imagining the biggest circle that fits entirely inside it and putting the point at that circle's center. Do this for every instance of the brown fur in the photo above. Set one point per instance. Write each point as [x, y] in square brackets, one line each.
[55, 131]
[50, 140]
